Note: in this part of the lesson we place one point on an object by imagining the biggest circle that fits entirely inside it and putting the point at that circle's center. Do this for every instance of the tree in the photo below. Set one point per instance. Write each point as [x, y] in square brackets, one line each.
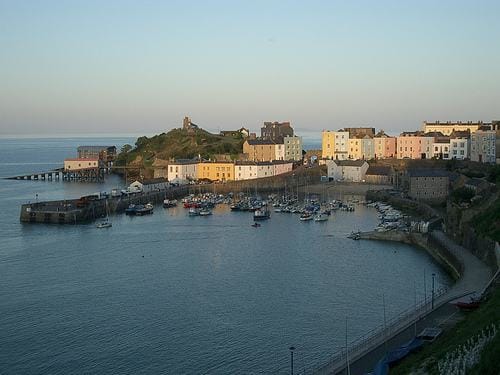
[126, 148]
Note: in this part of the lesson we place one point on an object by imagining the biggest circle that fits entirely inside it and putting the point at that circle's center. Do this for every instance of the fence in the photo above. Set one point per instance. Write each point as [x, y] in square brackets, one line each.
[376, 337]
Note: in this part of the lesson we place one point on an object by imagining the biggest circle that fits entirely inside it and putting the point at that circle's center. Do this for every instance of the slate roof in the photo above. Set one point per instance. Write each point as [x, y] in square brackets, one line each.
[422, 172]
[379, 171]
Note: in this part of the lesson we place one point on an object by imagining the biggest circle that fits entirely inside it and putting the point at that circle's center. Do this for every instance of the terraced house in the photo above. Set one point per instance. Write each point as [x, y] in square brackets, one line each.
[216, 171]
[259, 150]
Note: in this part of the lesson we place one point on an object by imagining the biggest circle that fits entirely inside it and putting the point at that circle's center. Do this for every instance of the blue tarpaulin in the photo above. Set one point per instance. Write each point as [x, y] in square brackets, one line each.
[382, 366]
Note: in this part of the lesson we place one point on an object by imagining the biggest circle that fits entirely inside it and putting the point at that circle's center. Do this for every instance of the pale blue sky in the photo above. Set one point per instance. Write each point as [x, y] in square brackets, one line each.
[140, 66]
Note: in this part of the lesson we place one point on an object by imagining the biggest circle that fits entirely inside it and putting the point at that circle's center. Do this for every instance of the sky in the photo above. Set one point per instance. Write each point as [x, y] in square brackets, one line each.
[121, 67]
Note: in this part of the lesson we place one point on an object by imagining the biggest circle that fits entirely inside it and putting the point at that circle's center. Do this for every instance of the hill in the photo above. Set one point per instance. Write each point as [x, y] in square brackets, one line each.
[178, 144]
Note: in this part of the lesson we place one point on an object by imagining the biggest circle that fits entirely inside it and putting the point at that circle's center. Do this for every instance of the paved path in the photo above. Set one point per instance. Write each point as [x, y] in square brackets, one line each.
[474, 278]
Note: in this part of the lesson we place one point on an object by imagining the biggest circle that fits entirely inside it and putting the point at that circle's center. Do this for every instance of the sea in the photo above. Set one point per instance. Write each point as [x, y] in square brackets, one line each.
[173, 294]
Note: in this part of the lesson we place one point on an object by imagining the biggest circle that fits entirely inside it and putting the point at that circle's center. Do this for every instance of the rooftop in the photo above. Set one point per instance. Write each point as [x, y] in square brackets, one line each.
[81, 159]
[256, 142]
[350, 163]
[423, 172]
[379, 170]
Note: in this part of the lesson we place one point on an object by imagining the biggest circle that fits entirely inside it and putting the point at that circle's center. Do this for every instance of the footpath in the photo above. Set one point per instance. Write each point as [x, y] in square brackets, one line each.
[364, 355]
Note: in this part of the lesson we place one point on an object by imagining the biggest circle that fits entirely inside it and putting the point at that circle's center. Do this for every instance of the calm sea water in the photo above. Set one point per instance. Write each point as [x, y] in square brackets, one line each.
[174, 294]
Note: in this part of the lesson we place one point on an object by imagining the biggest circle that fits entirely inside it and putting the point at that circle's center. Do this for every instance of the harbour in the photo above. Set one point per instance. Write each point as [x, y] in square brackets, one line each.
[227, 270]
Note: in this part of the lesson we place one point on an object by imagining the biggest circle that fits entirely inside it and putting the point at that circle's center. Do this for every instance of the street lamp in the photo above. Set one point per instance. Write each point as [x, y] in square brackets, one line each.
[292, 348]
[432, 303]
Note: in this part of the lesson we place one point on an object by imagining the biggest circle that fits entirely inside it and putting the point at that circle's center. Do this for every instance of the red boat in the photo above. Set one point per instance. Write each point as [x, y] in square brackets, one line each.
[191, 205]
[469, 303]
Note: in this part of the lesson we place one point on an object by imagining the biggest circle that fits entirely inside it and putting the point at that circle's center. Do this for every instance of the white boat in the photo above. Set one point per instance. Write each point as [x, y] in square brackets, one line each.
[261, 214]
[205, 212]
[306, 217]
[321, 217]
[167, 203]
[193, 211]
[104, 224]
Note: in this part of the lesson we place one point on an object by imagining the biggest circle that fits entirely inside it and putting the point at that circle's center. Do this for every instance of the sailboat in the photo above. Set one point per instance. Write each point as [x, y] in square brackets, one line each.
[105, 223]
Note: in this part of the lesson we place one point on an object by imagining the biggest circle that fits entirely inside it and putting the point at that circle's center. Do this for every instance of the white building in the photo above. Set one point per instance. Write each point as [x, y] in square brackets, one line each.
[182, 171]
[279, 151]
[460, 145]
[293, 148]
[335, 145]
[483, 143]
[347, 170]
[245, 171]
[147, 186]
[442, 149]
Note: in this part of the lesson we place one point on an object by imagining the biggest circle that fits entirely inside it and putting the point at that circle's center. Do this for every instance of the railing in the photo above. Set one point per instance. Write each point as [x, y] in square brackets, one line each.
[371, 339]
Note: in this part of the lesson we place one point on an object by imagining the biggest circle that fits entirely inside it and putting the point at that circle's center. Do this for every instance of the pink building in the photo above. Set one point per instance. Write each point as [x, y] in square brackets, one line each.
[414, 145]
[282, 167]
[385, 145]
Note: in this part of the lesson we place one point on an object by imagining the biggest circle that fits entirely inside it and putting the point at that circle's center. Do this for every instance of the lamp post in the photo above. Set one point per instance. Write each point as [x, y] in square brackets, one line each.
[292, 348]
[432, 301]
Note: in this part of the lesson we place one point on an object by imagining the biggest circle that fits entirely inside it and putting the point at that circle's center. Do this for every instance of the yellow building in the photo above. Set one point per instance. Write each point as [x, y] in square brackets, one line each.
[260, 150]
[334, 144]
[216, 171]
[355, 149]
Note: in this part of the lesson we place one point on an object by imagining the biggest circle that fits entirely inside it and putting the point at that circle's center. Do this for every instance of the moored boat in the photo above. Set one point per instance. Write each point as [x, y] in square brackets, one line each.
[306, 217]
[104, 224]
[321, 217]
[167, 203]
[130, 210]
[144, 210]
[194, 211]
[261, 214]
[205, 212]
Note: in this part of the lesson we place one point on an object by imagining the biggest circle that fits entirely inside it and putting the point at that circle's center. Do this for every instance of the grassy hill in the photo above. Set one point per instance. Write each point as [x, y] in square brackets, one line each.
[179, 144]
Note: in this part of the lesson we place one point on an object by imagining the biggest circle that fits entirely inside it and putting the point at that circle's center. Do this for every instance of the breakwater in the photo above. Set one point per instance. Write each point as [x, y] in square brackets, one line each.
[84, 210]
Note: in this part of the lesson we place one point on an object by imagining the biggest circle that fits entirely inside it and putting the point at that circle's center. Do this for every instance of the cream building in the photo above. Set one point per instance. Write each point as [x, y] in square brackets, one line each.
[80, 164]
[265, 169]
[448, 127]
[335, 145]
[245, 170]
